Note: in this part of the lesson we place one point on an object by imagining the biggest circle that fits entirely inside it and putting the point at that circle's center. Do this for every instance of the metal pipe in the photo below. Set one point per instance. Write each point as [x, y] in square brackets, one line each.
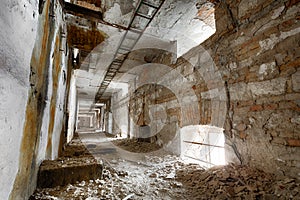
[199, 143]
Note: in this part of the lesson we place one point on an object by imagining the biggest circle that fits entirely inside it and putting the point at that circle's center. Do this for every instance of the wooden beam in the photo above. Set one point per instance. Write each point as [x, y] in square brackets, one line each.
[87, 13]
[82, 11]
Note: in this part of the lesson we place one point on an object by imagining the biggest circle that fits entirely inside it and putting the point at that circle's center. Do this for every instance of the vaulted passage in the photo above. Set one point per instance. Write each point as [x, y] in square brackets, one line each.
[150, 99]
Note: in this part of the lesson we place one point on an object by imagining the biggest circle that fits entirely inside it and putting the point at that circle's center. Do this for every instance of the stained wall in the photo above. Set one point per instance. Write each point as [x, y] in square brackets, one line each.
[256, 52]
[33, 90]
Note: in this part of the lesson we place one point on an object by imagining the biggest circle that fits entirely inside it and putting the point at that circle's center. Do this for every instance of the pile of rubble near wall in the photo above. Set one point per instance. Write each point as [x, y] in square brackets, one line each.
[175, 180]
[162, 177]
[133, 145]
[236, 182]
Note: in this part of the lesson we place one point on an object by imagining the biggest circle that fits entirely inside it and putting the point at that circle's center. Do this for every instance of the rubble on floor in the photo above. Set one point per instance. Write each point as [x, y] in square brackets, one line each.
[136, 181]
[133, 145]
[176, 180]
[162, 176]
[236, 182]
[75, 148]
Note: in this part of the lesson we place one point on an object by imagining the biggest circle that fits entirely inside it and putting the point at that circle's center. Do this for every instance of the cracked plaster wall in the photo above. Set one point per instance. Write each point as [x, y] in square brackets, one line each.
[16, 49]
[33, 84]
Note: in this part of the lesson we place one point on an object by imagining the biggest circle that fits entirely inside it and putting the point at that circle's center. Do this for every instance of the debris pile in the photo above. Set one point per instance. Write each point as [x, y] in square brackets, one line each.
[235, 182]
[158, 175]
[161, 178]
[75, 148]
[110, 185]
[133, 145]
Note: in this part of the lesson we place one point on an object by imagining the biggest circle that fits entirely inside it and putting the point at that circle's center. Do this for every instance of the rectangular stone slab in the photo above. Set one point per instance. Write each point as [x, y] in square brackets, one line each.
[54, 173]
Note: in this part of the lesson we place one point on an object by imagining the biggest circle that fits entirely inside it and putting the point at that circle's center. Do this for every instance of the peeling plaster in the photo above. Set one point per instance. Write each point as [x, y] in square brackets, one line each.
[269, 43]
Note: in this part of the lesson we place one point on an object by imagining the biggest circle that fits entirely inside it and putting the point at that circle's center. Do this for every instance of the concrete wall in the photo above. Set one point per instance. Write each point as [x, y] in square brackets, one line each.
[33, 84]
[84, 122]
[18, 22]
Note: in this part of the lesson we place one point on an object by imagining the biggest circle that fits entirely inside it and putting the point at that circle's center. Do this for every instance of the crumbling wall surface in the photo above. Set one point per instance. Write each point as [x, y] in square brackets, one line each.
[256, 50]
[32, 92]
[57, 81]
[155, 107]
[18, 22]
[120, 114]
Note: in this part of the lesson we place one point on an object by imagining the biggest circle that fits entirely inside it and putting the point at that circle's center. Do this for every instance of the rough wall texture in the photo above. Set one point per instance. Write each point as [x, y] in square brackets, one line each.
[256, 50]
[157, 107]
[246, 80]
[18, 22]
[33, 87]
[121, 124]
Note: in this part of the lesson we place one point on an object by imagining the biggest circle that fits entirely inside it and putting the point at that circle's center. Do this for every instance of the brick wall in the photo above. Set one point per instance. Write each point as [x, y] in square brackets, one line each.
[256, 50]
[245, 79]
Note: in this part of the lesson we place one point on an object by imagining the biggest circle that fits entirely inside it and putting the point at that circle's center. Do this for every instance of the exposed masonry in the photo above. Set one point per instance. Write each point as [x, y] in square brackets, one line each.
[250, 87]
[255, 84]
[260, 61]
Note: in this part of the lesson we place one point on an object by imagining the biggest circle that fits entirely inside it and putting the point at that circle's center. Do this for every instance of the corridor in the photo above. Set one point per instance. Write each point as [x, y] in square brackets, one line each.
[159, 175]
[149, 99]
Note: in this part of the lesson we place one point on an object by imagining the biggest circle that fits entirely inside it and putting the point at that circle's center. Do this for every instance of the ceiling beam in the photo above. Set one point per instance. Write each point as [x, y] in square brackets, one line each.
[87, 13]
[81, 11]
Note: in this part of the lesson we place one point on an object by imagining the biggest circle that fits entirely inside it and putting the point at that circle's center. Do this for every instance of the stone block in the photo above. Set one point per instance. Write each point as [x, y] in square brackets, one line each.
[270, 87]
[272, 106]
[280, 58]
[243, 135]
[241, 127]
[296, 81]
[296, 120]
[239, 91]
[278, 140]
[245, 7]
[267, 70]
[54, 173]
[294, 96]
[287, 105]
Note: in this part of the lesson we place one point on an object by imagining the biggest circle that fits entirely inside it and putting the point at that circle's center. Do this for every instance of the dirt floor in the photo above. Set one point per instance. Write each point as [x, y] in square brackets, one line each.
[158, 175]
